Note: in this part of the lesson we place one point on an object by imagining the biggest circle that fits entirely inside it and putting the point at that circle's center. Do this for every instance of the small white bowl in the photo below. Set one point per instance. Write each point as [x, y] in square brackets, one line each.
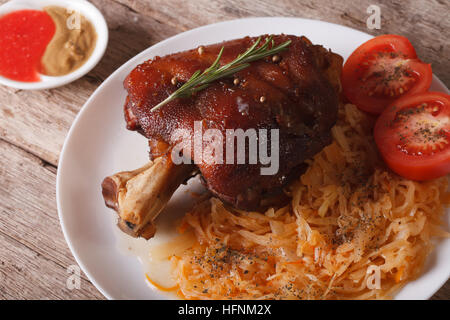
[86, 9]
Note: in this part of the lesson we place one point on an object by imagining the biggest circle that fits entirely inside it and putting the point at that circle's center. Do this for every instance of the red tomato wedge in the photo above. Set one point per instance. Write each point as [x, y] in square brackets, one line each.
[382, 70]
[413, 136]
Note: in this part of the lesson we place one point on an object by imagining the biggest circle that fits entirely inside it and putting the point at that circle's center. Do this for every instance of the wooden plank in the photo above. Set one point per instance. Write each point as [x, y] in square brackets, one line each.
[424, 22]
[33, 253]
[25, 274]
[28, 212]
[443, 293]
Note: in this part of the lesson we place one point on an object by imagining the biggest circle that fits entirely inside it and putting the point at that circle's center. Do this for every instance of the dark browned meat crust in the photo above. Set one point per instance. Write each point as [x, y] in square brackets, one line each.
[301, 100]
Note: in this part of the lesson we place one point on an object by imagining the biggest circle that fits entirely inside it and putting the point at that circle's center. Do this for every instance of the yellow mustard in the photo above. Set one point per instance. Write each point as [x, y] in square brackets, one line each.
[71, 46]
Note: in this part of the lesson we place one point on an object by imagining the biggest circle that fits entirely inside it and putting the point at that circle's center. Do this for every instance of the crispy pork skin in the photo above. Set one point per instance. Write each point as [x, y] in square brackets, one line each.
[295, 92]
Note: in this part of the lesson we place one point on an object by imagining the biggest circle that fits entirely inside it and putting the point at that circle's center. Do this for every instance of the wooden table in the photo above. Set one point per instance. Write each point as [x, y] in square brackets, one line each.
[33, 124]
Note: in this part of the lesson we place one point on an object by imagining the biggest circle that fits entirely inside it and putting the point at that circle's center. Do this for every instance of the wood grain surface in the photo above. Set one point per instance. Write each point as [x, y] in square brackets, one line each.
[34, 256]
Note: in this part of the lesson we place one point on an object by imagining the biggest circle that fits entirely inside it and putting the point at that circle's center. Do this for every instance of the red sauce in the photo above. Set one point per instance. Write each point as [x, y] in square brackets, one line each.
[24, 35]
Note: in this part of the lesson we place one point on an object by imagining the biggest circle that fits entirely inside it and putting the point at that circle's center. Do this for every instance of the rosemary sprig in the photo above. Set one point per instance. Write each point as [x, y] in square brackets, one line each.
[201, 80]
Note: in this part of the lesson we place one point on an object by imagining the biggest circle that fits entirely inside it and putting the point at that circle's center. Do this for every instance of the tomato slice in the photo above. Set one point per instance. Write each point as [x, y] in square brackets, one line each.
[413, 136]
[382, 70]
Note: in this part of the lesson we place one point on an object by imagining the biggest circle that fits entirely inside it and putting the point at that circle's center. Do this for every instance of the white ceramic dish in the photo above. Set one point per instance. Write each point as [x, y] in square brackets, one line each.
[98, 144]
[87, 10]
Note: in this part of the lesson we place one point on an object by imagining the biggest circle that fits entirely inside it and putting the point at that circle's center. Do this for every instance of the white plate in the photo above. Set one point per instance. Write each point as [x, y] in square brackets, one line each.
[84, 8]
[98, 145]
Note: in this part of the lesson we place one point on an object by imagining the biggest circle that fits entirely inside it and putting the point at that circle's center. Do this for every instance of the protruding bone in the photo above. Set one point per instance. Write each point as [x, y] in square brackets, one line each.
[140, 195]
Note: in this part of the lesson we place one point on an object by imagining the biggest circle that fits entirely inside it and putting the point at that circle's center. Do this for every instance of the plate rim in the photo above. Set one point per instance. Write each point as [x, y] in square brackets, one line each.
[83, 109]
